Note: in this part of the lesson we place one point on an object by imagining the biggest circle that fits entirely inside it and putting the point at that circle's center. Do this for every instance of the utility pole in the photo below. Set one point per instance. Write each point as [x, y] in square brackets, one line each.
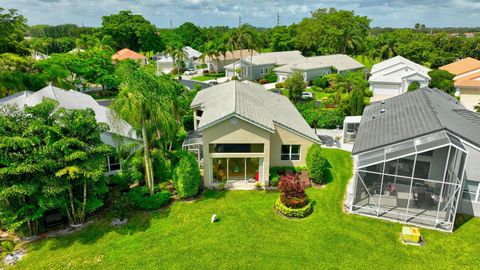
[239, 21]
[278, 18]
[171, 25]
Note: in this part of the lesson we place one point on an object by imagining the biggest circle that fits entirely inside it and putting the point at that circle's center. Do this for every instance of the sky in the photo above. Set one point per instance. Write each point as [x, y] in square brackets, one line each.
[394, 13]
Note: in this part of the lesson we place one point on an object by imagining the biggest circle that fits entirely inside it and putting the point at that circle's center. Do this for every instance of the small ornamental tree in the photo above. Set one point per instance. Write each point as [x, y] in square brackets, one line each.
[295, 85]
[187, 176]
[293, 192]
[316, 164]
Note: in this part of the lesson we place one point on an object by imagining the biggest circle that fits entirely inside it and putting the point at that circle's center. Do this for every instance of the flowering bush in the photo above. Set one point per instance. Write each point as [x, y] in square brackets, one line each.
[293, 192]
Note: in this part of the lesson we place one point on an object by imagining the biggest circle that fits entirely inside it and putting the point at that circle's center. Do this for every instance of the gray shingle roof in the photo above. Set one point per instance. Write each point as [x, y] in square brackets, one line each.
[414, 114]
[341, 62]
[252, 103]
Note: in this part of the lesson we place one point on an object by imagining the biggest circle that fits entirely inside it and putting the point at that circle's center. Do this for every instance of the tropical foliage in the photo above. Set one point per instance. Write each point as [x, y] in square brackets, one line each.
[51, 158]
[187, 176]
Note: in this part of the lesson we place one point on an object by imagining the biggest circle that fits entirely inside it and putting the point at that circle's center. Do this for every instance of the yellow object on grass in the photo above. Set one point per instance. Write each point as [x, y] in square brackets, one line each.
[411, 234]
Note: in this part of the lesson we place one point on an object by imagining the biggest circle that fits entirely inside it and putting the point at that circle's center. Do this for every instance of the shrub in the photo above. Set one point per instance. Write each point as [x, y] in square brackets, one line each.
[262, 81]
[281, 170]
[293, 192]
[161, 167]
[174, 71]
[121, 207]
[296, 86]
[368, 93]
[7, 246]
[206, 72]
[271, 77]
[316, 164]
[234, 78]
[275, 180]
[442, 80]
[142, 200]
[320, 82]
[187, 176]
[293, 213]
[413, 86]
[329, 90]
[279, 85]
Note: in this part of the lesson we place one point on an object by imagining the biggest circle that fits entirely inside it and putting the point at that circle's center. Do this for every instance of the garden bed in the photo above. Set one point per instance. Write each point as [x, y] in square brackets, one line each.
[293, 213]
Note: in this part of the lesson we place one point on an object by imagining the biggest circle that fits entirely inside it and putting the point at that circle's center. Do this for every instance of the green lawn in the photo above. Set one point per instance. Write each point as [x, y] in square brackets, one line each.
[250, 235]
[208, 77]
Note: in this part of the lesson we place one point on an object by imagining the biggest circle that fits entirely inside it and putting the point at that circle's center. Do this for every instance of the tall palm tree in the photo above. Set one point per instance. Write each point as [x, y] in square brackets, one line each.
[351, 40]
[388, 46]
[240, 40]
[210, 50]
[144, 104]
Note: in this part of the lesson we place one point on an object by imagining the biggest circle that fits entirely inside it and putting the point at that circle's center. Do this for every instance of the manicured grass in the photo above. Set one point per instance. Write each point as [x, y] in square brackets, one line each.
[250, 235]
[208, 77]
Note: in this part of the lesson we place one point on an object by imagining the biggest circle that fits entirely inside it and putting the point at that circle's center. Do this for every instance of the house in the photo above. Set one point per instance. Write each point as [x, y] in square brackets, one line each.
[217, 64]
[36, 55]
[165, 61]
[129, 54]
[256, 67]
[316, 66]
[467, 80]
[392, 77]
[119, 132]
[241, 130]
[417, 159]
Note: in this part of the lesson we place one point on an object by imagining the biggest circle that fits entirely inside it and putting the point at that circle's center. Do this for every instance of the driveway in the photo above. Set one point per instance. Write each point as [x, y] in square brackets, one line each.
[191, 84]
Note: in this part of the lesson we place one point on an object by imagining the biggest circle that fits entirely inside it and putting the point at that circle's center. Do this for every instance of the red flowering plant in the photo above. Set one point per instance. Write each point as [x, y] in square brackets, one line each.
[293, 192]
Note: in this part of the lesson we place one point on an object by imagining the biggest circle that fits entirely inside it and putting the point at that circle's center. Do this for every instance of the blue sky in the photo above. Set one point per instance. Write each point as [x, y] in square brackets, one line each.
[394, 13]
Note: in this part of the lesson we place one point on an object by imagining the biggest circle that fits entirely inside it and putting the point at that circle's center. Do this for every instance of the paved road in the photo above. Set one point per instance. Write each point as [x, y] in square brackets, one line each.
[191, 84]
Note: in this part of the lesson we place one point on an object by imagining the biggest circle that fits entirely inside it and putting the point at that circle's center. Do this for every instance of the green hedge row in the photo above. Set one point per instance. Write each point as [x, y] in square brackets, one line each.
[293, 213]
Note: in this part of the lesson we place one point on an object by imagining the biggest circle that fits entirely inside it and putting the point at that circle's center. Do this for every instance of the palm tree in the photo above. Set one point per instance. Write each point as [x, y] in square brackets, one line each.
[351, 40]
[388, 46]
[180, 55]
[144, 102]
[210, 49]
[242, 38]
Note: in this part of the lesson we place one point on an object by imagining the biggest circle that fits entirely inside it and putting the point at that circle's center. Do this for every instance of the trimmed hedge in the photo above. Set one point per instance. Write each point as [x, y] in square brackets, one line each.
[187, 176]
[143, 201]
[316, 164]
[293, 213]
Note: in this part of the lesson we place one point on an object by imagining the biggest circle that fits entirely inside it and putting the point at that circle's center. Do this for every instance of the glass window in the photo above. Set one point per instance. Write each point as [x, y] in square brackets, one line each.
[113, 163]
[290, 152]
[422, 169]
[470, 191]
[236, 148]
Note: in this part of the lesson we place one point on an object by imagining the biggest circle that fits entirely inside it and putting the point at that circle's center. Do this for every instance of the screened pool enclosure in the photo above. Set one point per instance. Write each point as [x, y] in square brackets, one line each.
[417, 181]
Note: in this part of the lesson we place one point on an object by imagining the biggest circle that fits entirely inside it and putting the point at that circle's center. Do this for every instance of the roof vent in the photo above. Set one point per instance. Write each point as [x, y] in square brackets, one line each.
[373, 116]
[383, 101]
[382, 110]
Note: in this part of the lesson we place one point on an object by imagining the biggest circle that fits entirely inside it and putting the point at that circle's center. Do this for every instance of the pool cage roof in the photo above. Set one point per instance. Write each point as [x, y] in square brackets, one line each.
[416, 145]
[406, 197]
[194, 137]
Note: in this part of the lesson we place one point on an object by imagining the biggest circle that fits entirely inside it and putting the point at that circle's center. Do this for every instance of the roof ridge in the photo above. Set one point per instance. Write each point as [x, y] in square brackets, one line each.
[434, 109]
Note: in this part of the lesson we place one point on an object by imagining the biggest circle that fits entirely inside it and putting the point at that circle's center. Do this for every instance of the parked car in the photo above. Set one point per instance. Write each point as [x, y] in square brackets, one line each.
[212, 83]
[307, 95]
[277, 92]
[190, 72]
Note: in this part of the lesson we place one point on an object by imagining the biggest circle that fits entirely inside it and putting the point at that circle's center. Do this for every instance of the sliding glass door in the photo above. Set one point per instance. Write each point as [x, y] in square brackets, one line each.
[235, 169]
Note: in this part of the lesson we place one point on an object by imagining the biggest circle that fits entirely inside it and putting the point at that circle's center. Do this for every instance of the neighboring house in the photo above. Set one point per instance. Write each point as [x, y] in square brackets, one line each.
[467, 80]
[393, 76]
[165, 61]
[316, 66]
[119, 132]
[256, 67]
[129, 54]
[417, 159]
[217, 64]
[241, 130]
[39, 56]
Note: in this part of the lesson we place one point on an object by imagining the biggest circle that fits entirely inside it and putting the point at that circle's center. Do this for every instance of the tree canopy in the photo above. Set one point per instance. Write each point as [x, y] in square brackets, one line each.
[132, 31]
[12, 32]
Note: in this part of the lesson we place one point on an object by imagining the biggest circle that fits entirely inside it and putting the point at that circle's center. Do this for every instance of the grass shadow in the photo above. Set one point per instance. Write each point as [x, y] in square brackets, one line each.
[461, 219]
